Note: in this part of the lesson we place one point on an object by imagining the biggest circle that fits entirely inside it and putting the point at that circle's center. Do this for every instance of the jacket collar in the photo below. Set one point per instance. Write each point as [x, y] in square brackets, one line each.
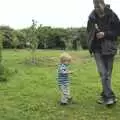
[93, 15]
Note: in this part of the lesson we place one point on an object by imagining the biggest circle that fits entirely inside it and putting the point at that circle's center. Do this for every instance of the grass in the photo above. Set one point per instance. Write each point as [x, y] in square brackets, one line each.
[31, 93]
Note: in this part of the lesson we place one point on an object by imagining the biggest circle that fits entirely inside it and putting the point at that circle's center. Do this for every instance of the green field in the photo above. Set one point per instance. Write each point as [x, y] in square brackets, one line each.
[31, 92]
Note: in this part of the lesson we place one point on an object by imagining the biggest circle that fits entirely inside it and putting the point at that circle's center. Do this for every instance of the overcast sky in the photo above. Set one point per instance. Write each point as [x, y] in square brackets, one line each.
[56, 13]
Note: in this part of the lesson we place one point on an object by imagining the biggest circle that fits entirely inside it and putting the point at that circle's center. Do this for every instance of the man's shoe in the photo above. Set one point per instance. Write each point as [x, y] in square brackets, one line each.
[110, 101]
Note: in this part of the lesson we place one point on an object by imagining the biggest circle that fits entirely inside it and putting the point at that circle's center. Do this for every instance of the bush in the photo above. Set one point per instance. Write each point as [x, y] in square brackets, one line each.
[5, 73]
[2, 73]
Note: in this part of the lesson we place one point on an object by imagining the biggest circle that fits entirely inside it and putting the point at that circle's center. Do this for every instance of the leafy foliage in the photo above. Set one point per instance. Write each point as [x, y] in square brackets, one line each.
[44, 37]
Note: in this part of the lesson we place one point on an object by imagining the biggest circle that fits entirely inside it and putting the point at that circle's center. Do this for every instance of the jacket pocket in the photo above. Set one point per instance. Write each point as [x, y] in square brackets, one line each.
[109, 47]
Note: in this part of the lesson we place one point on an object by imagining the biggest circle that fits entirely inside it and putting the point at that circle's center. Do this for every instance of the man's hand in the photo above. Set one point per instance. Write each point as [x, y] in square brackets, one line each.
[100, 35]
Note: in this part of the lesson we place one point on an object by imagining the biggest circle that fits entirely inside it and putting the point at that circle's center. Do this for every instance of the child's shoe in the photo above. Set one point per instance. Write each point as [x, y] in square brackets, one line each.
[61, 103]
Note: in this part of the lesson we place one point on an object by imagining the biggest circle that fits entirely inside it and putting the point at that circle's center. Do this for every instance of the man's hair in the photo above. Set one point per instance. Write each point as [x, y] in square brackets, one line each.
[99, 1]
[108, 5]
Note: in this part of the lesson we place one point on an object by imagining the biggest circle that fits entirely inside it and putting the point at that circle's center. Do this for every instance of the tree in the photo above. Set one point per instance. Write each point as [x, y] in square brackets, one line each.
[2, 75]
[44, 36]
[83, 38]
[7, 36]
[1, 39]
[15, 41]
[33, 36]
[32, 40]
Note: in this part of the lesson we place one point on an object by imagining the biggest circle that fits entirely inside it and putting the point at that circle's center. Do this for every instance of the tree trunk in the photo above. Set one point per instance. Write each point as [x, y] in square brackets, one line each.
[1, 66]
[0, 48]
[69, 44]
[79, 45]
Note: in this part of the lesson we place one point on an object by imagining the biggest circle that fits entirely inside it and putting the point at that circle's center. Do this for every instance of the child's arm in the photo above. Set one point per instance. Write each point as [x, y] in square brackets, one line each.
[70, 72]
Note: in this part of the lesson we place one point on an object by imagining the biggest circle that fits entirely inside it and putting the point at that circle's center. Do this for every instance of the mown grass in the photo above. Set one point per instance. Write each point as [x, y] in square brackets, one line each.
[31, 92]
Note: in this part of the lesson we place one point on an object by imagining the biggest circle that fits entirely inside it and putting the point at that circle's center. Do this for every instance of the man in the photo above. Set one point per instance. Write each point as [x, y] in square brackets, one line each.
[102, 31]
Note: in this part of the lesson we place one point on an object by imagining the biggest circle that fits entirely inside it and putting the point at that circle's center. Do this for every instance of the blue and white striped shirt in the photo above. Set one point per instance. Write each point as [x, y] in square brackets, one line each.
[63, 74]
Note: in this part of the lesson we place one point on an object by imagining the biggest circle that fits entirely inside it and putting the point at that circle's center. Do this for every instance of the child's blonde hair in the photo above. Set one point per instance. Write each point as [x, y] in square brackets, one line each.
[65, 57]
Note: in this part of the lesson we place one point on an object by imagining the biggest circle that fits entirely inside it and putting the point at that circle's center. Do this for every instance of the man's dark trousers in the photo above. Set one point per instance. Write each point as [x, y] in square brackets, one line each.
[105, 66]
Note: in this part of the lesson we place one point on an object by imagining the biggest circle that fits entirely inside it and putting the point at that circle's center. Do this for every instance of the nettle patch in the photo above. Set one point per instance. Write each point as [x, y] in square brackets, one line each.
[6, 72]
[44, 61]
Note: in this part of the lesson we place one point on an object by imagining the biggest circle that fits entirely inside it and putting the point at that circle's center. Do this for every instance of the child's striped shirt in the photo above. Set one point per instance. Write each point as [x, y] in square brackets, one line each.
[63, 74]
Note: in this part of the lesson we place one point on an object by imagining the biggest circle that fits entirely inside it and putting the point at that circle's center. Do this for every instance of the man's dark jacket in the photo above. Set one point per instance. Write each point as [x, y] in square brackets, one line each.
[110, 25]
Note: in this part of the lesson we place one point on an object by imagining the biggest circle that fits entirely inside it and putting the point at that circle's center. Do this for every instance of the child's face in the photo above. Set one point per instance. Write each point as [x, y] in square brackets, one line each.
[67, 62]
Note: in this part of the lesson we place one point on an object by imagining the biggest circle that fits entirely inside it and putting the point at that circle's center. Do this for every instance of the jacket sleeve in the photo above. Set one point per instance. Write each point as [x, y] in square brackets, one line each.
[115, 27]
[88, 30]
[90, 35]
